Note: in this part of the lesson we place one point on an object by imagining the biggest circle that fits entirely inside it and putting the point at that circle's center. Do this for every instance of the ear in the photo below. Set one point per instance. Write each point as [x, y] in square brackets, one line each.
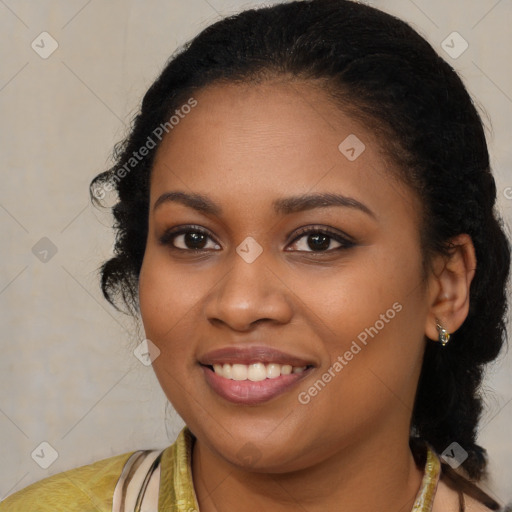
[449, 285]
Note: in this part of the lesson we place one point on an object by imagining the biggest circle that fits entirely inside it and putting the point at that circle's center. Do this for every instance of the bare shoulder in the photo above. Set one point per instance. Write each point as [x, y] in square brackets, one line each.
[473, 505]
[447, 500]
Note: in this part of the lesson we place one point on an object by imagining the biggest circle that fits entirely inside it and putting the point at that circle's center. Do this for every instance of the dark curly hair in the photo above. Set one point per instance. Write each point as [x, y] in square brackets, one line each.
[383, 73]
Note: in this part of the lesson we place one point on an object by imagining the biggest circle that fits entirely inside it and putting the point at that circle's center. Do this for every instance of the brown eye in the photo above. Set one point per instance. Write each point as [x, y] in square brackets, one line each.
[189, 240]
[320, 240]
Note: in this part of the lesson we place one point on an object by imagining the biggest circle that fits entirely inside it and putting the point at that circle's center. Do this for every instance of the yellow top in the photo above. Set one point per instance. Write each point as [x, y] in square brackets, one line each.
[85, 488]
[91, 488]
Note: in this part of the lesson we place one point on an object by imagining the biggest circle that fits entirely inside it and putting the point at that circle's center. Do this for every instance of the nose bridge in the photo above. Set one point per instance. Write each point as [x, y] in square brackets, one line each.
[249, 291]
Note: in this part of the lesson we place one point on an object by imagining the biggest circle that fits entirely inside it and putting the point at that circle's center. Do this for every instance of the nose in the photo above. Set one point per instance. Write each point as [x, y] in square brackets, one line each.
[248, 294]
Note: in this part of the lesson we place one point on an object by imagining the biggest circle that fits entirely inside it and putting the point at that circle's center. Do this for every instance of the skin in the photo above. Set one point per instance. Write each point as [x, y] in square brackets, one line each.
[245, 146]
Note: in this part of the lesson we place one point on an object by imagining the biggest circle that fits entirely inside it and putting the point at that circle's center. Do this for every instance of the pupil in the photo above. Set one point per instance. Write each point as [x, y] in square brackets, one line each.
[318, 241]
[195, 240]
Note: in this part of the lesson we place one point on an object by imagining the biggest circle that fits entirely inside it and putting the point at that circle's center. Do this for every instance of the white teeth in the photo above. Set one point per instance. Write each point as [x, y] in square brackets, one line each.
[226, 371]
[273, 371]
[286, 369]
[255, 372]
[239, 372]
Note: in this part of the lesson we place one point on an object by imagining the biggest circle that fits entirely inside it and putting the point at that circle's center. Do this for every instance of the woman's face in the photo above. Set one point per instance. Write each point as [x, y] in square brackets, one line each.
[272, 246]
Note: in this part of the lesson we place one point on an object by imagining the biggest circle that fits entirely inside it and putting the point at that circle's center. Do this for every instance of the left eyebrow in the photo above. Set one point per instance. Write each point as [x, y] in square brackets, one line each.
[300, 203]
[283, 206]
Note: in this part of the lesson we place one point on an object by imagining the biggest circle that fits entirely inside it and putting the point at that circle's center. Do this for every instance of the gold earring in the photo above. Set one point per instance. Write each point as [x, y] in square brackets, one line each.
[444, 335]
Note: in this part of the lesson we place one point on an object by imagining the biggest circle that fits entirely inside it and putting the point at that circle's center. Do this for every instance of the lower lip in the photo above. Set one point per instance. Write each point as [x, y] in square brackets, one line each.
[247, 392]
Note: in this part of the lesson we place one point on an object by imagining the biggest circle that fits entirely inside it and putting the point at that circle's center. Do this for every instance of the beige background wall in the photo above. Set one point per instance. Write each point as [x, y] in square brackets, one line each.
[67, 373]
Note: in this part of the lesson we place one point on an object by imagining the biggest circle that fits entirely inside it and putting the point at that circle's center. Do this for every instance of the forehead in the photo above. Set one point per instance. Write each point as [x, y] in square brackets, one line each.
[244, 142]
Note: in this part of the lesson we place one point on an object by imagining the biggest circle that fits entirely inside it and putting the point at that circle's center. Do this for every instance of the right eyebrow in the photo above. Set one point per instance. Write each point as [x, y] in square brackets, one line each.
[198, 202]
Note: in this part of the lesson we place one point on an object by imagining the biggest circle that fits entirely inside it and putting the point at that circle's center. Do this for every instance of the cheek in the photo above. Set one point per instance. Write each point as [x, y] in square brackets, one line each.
[166, 305]
[171, 297]
[167, 296]
[366, 292]
[371, 315]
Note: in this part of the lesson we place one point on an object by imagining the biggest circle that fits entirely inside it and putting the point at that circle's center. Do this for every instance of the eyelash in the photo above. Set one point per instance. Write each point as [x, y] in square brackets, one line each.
[346, 243]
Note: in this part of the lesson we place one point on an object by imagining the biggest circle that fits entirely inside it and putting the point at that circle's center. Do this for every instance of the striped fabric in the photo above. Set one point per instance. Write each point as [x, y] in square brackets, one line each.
[138, 486]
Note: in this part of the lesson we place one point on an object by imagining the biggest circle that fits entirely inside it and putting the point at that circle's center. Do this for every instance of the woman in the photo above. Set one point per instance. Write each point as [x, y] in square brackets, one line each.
[306, 225]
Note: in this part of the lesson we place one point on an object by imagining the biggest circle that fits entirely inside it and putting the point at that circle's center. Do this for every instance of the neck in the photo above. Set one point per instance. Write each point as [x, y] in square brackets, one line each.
[377, 474]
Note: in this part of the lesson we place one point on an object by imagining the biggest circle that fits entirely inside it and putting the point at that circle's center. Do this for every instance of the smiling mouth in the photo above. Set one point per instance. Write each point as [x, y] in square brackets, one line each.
[255, 383]
[255, 372]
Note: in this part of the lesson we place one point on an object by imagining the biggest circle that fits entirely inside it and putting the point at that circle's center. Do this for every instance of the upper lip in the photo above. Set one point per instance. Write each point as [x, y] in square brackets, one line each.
[250, 355]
